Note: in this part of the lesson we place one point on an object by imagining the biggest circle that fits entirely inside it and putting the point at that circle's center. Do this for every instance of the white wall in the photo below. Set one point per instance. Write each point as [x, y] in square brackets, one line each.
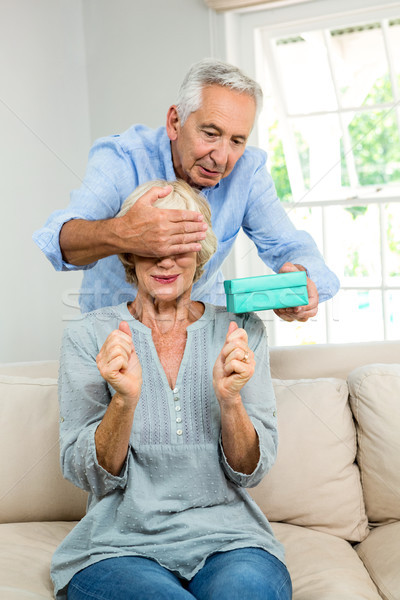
[44, 126]
[137, 55]
[71, 71]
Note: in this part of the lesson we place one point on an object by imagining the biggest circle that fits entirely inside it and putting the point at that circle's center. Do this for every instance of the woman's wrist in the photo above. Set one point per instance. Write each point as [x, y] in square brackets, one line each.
[125, 402]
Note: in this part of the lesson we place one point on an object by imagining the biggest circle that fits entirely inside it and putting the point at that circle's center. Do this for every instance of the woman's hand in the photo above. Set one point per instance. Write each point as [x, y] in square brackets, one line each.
[233, 367]
[119, 365]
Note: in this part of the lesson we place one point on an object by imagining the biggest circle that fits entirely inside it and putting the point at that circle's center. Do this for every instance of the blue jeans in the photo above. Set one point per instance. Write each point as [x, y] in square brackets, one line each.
[243, 574]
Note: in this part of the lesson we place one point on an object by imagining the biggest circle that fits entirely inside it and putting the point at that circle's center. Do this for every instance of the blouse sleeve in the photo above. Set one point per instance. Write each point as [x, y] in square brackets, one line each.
[259, 400]
[84, 397]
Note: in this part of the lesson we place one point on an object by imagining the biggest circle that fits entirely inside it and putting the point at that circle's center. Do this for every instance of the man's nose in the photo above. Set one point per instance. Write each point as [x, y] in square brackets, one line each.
[220, 152]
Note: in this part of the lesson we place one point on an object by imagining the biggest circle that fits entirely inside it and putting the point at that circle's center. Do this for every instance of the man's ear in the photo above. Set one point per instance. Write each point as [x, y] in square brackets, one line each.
[173, 123]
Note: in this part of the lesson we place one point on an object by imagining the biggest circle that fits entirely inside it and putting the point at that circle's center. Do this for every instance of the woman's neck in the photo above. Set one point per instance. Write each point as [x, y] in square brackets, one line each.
[164, 317]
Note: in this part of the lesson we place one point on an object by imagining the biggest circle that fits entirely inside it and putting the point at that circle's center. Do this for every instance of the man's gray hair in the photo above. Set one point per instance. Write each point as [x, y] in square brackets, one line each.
[210, 71]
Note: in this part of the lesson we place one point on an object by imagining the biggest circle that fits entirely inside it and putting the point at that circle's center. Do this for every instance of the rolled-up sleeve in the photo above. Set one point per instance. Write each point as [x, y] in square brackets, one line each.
[84, 397]
[258, 398]
[108, 181]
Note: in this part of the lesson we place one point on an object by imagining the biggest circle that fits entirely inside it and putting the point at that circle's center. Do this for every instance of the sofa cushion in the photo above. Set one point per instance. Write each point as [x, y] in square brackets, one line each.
[315, 481]
[375, 401]
[32, 487]
[380, 554]
[323, 566]
[26, 550]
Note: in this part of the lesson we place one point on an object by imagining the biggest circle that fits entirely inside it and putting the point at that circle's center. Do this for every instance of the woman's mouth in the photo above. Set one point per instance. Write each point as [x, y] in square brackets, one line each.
[164, 279]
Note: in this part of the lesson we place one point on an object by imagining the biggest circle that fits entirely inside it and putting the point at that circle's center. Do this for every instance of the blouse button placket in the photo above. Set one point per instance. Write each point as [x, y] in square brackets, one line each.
[178, 419]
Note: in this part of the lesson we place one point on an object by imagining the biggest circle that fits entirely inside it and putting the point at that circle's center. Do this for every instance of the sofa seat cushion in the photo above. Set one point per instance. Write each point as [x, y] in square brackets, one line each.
[380, 554]
[315, 481]
[26, 550]
[323, 566]
[375, 401]
[29, 438]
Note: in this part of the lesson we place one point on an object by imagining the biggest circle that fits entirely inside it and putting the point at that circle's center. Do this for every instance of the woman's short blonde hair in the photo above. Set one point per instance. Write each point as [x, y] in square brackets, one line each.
[183, 196]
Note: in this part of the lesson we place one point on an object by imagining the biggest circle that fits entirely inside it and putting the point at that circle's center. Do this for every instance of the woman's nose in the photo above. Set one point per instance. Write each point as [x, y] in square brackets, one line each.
[166, 262]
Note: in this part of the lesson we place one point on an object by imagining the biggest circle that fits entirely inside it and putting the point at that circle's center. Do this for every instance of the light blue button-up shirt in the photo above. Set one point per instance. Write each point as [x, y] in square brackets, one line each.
[246, 198]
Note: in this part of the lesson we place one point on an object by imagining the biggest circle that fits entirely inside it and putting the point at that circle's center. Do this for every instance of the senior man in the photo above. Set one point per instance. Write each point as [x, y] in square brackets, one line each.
[203, 143]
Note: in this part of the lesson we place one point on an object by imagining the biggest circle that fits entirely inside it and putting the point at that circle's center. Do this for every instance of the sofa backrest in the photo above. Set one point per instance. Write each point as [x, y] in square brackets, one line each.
[31, 484]
[314, 456]
[329, 360]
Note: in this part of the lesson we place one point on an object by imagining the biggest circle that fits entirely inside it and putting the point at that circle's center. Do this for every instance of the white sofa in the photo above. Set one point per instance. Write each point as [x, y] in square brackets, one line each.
[333, 496]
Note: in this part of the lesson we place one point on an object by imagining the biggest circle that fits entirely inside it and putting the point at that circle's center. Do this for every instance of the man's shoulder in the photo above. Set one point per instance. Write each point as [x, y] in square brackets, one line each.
[137, 137]
[254, 157]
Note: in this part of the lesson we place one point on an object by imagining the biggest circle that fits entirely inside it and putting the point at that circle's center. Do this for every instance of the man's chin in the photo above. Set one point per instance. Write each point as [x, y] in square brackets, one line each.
[202, 181]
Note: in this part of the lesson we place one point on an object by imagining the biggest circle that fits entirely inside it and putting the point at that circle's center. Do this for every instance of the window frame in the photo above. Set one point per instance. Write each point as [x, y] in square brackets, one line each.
[249, 36]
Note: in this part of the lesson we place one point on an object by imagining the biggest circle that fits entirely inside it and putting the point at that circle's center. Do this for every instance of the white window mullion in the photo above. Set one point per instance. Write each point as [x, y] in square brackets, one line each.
[328, 304]
[384, 282]
[392, 70]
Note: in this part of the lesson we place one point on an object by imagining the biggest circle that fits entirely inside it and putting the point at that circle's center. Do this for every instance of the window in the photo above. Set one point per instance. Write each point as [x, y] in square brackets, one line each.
[331, 126]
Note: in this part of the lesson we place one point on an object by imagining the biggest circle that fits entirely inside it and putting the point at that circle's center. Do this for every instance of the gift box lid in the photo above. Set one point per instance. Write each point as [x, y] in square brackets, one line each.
[265, 282]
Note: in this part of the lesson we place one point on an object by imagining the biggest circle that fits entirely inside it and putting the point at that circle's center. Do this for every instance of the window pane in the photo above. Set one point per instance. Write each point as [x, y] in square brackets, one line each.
[376, 146]
[359, 61]
[393, 318]
[277, 164]
[357, 316]
[353, 247]
[310, 220]
[392, 242]
[305, 74]
[318, 141]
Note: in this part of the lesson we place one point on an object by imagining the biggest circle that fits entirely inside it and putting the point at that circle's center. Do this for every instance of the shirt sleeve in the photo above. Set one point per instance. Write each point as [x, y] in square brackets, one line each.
[277, 240]
[84, 397]
[104, 188]
[258, 397]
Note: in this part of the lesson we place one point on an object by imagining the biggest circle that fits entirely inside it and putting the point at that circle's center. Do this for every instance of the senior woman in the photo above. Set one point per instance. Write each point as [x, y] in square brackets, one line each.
[164, 421]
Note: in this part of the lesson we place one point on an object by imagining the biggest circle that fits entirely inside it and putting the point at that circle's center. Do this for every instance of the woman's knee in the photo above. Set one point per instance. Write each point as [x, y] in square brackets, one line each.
[244, 574]
[126, 578]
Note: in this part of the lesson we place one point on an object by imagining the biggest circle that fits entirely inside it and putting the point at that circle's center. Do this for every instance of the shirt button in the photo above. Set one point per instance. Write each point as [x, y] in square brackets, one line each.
[175, 390]
[179, 432]
[176, 398]
[177, 408]
[178, 420]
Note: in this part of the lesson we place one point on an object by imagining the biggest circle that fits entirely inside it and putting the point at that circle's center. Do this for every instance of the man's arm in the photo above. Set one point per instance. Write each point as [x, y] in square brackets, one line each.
[143, 230]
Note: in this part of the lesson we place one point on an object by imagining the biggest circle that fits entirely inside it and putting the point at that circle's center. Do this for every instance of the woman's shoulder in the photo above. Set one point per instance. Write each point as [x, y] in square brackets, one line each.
[100, 321]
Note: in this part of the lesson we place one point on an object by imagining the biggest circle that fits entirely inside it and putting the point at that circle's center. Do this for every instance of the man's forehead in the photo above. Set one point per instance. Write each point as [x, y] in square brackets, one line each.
[222, 102]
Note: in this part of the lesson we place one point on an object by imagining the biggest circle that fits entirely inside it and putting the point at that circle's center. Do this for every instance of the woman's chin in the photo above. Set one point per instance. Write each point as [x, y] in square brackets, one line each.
[168, 294]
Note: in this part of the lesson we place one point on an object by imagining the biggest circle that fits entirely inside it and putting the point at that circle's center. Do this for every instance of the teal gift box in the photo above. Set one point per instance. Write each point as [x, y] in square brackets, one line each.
[266, 292]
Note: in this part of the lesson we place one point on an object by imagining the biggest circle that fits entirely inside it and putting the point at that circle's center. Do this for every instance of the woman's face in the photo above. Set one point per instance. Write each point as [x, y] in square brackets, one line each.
[166, 278]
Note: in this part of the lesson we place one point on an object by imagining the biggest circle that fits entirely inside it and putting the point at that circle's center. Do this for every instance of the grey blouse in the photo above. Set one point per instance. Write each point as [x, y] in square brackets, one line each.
[176, 500]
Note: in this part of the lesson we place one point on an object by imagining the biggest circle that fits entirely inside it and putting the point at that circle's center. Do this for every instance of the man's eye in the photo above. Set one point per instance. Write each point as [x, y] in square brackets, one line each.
[209, 134]
[238, 142]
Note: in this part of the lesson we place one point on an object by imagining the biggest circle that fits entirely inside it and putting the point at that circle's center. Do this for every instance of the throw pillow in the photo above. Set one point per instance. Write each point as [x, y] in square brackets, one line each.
[315, 482]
